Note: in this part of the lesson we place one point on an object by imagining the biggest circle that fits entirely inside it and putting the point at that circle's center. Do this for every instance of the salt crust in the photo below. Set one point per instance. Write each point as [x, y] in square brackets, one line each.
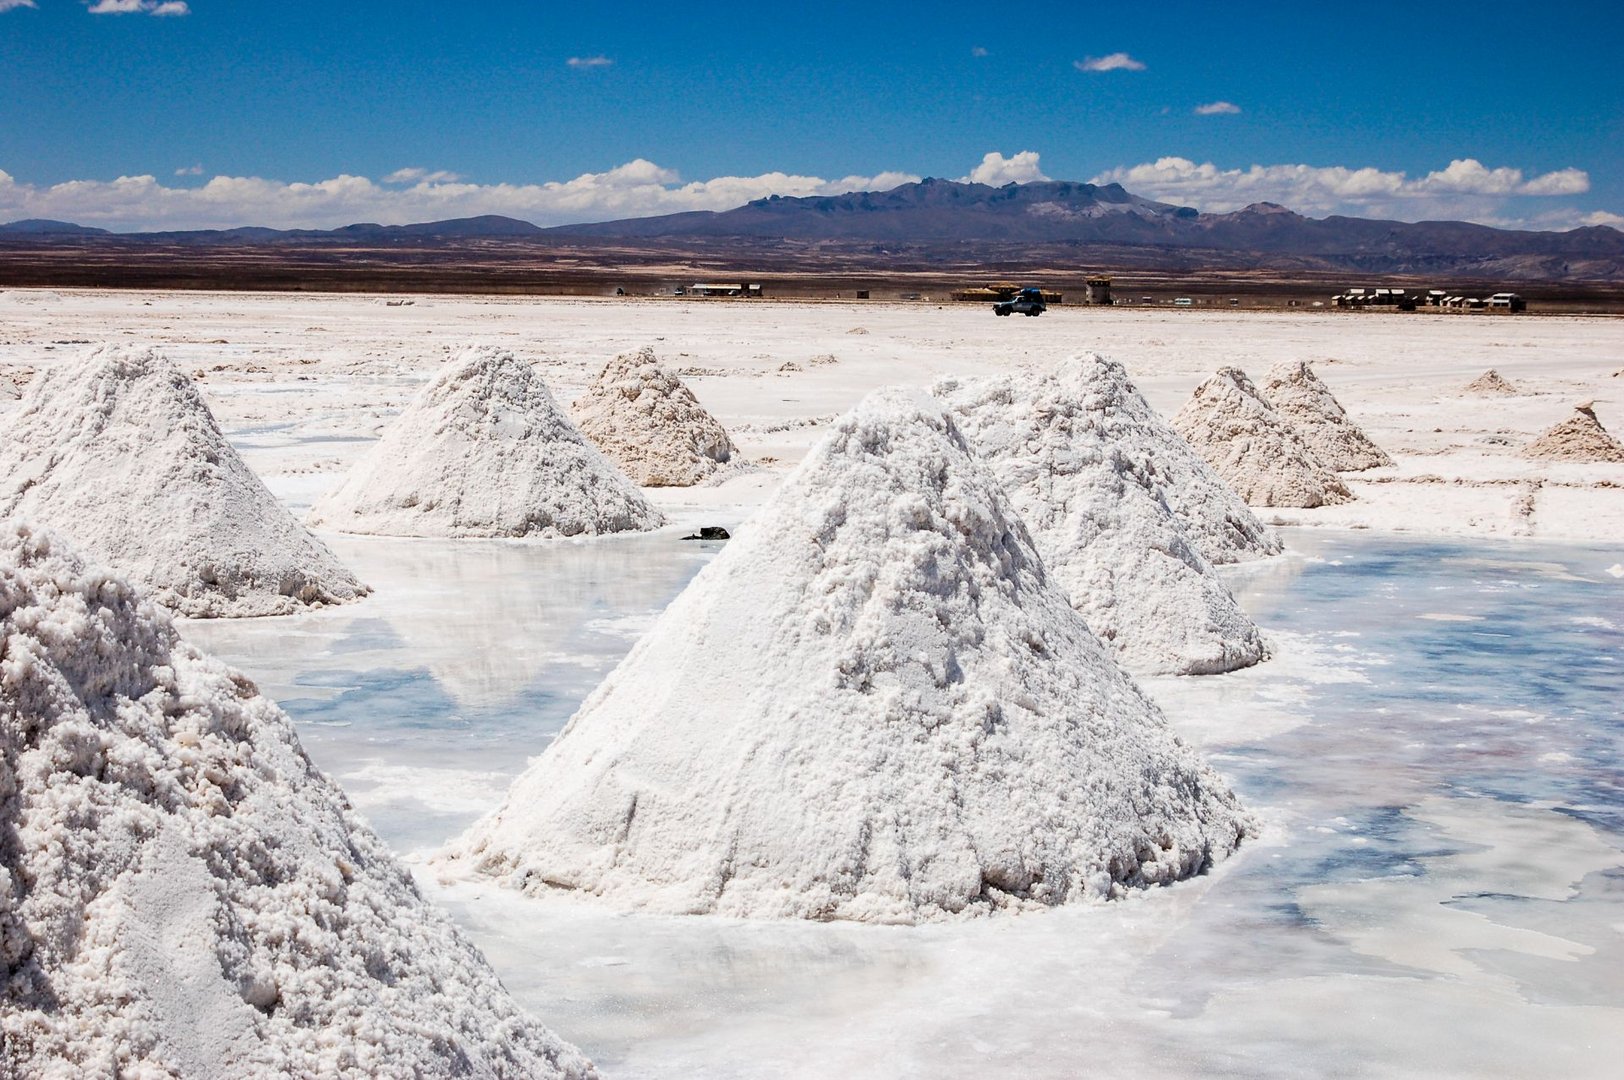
[119, 452]
[182, 894]
[1308, 405]
[1082, 470]
[1253, 448]
[484, 450]
[647, 421]
[1489, 384]
[1578, 438]
[873, 705]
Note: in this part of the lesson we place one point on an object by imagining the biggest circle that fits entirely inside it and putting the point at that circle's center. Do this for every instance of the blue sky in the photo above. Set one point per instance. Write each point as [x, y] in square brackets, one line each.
[298, 112]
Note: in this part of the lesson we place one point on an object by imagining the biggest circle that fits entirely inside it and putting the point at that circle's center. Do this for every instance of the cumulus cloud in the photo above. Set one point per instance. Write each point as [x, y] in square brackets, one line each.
[190, 170]
[140, 7]
[421, 176]
[1117, 61]
[997, 170]
[588, 62]
[637, 188]
[1603, 217]
[1465, 189]
[1217, 108]
[978, 52]
[12, 5]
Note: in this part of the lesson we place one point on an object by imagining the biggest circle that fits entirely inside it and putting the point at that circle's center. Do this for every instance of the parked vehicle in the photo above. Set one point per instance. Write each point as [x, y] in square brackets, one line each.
[1028, 301]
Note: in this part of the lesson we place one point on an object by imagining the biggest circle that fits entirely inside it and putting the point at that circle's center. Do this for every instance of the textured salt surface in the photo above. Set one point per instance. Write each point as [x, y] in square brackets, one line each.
[1308, 405]
[1079, 458]
[484, 450]
[1252, 447]
[1578, 438]
[647, 421]
[181, 892]
[874, 705]
[119, 452]
[1490, 383]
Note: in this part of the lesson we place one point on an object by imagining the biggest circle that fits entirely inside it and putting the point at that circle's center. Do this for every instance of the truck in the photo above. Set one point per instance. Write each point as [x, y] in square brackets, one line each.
[1028, 301]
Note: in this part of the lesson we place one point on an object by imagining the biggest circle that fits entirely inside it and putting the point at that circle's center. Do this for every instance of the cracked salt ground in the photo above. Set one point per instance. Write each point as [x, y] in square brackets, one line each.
[1439, 890]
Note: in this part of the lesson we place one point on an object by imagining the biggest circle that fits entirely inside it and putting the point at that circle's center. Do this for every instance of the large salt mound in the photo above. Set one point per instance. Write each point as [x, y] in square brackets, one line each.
[119, 452]
[1072, 460]
[1308, 405]
[873, 705]
[182, 893]
[647, 421]
[1252, 446]
[1489, 384]
[1578, 438]
[484, 450]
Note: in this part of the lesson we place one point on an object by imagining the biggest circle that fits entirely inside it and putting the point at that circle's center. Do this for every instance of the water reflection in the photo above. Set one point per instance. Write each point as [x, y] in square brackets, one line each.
[1439, 889]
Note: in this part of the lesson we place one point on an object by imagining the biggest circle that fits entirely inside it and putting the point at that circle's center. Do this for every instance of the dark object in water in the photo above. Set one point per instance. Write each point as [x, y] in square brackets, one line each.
[709, 532]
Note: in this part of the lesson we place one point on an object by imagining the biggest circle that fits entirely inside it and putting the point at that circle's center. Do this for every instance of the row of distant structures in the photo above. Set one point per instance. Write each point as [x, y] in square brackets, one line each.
[1097, 290]
[1405, 300]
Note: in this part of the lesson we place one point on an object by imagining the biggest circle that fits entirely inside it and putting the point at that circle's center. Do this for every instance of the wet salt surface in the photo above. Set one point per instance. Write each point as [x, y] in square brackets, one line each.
[1435, 751]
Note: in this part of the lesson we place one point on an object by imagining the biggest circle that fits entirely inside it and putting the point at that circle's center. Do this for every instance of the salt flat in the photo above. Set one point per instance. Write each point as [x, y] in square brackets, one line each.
[1434, 747]
[303, 382]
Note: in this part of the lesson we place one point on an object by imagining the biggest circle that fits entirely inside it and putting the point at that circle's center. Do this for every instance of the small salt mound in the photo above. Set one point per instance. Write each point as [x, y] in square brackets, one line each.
[119, 452]
[874, 705]
[9, 390]
[647, 421]
[1216, 519]
[484, 450]
[1071, 459]
[182, 893]
[1489, 384]
[1578, 438]
[1308, 405]
[1253, 448]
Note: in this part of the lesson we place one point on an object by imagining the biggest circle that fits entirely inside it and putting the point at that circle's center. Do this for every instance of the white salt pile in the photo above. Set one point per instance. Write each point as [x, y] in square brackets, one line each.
[1253, 448]
[1079, 461]
[119, 452]
[484, 450]
[1308, 405]
[647, 421]
[182, 893]
[1579, 438]
[9, 390]
[1489, 384]
[873, 705]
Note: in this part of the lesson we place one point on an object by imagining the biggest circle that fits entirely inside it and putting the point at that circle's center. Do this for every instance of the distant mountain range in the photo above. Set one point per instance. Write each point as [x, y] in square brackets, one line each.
[1062, 218]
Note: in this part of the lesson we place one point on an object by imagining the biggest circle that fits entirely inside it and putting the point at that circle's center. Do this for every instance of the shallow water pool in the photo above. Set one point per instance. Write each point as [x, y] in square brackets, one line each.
[1434, 751]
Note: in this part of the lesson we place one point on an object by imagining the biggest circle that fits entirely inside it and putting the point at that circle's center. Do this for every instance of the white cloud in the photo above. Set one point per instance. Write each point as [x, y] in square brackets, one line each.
[139, 7]
[190, 170]
[12, 5]
[421, 176]
[997, 170]
[1466, 189]
[977, 52]
[634, 189]
[1217, 108]
[1117, 61]
[587, 62]
[1603, 217]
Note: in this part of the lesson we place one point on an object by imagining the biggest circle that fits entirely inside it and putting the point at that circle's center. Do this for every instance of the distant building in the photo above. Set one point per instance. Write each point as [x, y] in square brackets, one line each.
[1507, 301]
[727, 289]
[1098, 290]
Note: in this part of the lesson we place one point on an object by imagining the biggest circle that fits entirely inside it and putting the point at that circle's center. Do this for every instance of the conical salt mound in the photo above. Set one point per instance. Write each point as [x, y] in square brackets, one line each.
[1579, 438]
[1490, 384]
[120, 454]
[873, 705]
[1308, 405]
[182, 893]
[647, 421]
[484, 450]
[1252, 446]
[1072, 460]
